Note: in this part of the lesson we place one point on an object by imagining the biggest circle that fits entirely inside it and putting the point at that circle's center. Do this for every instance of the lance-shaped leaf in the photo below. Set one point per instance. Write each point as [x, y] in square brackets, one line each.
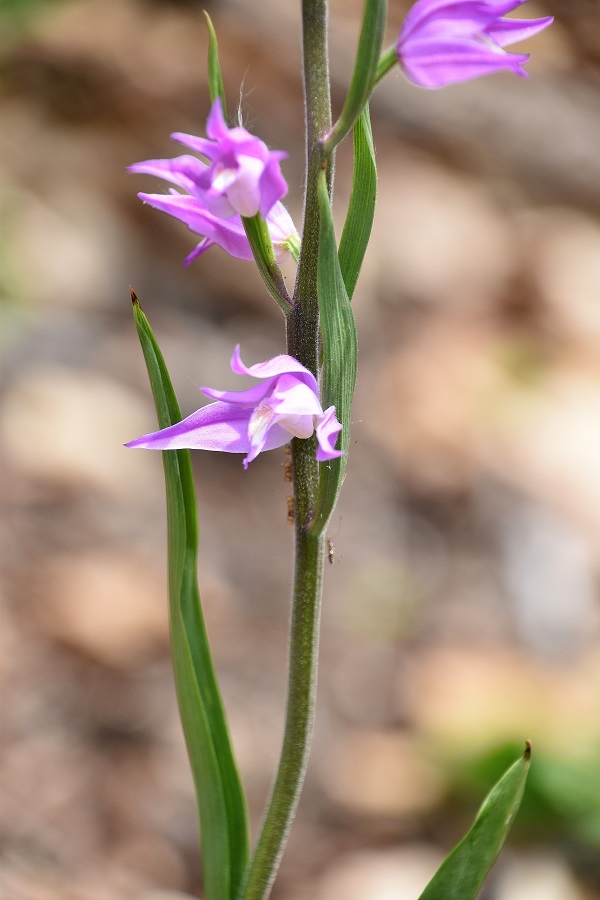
[221, 802]
[340, 351]
[463, 872]
[365, 69]
[361, 210]
[215, 79]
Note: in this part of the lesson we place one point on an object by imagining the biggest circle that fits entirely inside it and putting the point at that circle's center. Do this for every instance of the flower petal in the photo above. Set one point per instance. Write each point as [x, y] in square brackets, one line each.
[446, 41]
[430, 17]
[512, 31]
[278, 365]
[272, 185]
[243, 192]
[198, 250]
[327, 431]
[197, 144]
[227, 233]
[192, 175]
[184, 171]
[290, 396]
[217, 426]
[436, 63]
[216, 127]
[248, 398]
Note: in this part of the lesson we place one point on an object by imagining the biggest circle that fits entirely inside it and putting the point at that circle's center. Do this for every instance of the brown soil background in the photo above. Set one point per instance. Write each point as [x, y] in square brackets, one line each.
[462, 615]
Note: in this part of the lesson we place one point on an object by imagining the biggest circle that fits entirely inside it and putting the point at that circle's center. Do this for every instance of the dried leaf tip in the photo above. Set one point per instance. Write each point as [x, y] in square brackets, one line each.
[527, 754]
[134, 298]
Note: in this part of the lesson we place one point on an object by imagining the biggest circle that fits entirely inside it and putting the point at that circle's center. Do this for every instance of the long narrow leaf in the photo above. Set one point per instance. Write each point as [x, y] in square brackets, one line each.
[365, 69]
[221, 802]
[340, 351]
[361, 210]
[463, 872]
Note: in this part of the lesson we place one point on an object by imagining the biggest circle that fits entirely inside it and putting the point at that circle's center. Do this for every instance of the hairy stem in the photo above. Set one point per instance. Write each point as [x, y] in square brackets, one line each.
[303, 344]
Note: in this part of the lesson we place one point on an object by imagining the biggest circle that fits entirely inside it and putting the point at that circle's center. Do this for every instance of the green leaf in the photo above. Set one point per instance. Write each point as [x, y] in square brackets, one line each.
[463, 872]
[361, 210]
[340, 351]
[220, 798]
[261, 245]
[215, 79]
[365, 70]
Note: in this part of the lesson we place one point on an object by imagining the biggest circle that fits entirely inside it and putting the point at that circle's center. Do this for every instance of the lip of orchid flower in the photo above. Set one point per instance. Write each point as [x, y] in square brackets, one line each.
[228, 233]
[285, 404]
[446, 41]
[243, 175]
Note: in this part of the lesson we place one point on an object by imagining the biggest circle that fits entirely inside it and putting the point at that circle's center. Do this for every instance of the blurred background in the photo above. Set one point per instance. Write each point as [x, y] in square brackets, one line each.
[461, 616]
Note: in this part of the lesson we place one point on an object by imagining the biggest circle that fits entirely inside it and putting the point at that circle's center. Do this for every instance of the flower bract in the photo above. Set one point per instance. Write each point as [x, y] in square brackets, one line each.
[445, 41]
[284, 404]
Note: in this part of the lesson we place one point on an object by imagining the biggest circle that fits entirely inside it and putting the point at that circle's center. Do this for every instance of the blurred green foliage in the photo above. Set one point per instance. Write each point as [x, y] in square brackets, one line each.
[16, 15]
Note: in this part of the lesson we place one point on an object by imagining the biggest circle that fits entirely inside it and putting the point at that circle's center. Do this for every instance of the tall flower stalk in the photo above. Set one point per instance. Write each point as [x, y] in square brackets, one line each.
[303, 343]
[234, 201]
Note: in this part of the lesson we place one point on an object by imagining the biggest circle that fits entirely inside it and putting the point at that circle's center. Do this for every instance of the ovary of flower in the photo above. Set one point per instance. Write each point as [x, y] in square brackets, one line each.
[285, 403]
[446, 41]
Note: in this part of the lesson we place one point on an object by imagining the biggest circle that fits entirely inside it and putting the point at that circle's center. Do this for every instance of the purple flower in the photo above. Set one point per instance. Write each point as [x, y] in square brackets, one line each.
[444, 41]
[243, 176]
[284, 404]
[243, 179]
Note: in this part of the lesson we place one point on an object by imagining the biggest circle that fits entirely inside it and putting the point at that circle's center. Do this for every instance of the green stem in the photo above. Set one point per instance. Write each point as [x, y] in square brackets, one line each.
[304, 640]
[302, 343]
[387, 61]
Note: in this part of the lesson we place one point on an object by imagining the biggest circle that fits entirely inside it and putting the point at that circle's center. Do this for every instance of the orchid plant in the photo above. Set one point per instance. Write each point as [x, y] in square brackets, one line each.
[303, 397]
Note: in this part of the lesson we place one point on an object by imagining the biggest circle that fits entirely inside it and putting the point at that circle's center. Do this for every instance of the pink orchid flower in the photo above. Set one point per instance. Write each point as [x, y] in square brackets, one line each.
[285, 404]
[445, 41]
[242, 179]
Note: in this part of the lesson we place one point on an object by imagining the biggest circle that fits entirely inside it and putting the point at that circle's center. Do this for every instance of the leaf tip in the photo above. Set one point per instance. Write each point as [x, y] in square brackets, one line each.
[527, 753]
[134, 298]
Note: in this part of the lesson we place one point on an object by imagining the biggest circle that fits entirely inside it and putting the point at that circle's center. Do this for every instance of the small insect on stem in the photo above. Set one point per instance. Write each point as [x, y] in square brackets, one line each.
[331, 554]
[291, 512]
